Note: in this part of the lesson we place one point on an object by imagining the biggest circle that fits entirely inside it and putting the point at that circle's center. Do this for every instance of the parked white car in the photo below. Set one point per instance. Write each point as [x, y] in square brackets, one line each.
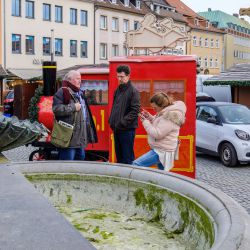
[223, 129]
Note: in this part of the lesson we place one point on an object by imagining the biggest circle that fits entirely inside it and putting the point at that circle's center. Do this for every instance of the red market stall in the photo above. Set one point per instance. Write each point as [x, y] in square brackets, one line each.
[175, 75]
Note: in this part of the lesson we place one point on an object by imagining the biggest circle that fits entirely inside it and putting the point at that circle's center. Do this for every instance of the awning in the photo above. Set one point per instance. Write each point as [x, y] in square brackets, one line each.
[26, 74]
[2, 71]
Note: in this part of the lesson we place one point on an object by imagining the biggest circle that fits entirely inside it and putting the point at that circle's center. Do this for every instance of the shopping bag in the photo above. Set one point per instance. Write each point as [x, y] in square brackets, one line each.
[61, 134]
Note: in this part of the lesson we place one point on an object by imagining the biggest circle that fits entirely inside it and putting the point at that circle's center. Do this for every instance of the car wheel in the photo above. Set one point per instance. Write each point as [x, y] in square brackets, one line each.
[228, 155]
[38, 155]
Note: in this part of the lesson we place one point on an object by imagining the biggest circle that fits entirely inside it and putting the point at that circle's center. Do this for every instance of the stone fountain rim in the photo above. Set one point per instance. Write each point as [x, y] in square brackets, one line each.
[231, 221]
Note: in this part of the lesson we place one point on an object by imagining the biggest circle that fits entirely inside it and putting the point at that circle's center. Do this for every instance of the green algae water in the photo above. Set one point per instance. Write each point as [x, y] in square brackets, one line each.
[115, 231]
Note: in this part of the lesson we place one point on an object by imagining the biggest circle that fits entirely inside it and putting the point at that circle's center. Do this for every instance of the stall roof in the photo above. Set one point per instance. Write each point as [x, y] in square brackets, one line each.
[169, 58]
[25, 74]
[81, 69]
[238, 75]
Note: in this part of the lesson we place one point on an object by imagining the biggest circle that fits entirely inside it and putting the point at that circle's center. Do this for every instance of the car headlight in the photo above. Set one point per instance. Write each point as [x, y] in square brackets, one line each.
[242, 135]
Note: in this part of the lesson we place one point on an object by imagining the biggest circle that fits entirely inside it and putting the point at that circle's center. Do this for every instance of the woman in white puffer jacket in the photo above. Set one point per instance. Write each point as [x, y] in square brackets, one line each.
[163, 131]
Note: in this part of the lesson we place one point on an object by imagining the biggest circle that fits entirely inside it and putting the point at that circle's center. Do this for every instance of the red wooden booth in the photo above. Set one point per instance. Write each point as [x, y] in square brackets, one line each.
[175, 75]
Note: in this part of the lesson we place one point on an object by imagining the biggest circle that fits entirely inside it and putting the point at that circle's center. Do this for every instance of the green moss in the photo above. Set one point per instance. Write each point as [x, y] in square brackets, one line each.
[69, 199]
[96, 230]
[81, 228]
[151, 201]
[96, 216]
[105, 235]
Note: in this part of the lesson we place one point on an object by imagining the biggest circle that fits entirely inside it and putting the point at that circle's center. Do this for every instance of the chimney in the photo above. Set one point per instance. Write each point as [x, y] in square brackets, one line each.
[209, 9]
[236, 15]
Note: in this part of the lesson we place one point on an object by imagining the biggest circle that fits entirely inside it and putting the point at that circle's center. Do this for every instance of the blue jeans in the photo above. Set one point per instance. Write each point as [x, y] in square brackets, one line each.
[124, 146]
[70, 154]
[149, 159]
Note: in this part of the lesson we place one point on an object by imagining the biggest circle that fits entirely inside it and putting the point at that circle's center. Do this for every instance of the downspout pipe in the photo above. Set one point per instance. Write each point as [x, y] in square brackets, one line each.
[95, 9]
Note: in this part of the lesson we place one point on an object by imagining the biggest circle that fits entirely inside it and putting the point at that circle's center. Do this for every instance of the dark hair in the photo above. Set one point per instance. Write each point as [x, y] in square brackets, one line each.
[123, 68]
[161, 99]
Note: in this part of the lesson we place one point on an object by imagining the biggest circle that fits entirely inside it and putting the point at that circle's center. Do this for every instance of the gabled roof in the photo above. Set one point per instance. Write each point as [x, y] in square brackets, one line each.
[183, 8]
[223, 19]
[238, 75]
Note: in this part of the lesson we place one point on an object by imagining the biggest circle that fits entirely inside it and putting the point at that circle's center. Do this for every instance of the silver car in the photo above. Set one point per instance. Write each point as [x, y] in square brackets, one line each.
[223, 129]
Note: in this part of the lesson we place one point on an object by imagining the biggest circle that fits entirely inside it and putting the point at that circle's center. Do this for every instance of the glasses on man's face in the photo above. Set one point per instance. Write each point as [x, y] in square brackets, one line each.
[121, 76]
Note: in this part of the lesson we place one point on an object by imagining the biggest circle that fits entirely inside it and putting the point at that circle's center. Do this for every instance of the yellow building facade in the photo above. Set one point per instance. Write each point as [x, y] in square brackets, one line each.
[208, 46]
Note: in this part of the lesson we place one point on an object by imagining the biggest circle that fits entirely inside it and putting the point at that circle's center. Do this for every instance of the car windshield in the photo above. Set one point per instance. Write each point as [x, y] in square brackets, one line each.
[235, 114]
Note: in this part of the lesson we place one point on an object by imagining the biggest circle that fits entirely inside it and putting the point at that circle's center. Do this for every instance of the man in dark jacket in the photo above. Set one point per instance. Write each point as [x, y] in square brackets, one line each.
[123, 119]
[70, 106]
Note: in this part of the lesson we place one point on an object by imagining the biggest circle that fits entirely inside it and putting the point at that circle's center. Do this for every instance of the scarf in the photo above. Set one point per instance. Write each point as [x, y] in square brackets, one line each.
[66, 94]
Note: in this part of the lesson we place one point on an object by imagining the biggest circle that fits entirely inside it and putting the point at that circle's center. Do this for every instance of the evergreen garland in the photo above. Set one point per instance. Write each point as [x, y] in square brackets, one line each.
[234, 83]
[33, 108]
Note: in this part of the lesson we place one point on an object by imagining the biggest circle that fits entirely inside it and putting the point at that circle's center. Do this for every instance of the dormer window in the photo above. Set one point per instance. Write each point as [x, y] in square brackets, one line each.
[138, 4]
[126, 3]
[114, 1]
[207, 24]
[196, 22]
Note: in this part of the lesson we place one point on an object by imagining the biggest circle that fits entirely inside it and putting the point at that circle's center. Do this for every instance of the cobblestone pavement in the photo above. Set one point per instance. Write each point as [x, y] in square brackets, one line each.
[235, 182]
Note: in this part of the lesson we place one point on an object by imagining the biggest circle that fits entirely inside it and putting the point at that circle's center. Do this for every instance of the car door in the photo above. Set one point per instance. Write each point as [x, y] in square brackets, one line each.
[207, 134]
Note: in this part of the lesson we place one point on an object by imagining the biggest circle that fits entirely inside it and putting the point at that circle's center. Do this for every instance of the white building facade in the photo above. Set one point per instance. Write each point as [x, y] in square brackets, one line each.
[33, 29]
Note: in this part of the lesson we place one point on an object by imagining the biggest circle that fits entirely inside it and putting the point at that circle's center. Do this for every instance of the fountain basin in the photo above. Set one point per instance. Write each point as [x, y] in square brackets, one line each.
[198, 216]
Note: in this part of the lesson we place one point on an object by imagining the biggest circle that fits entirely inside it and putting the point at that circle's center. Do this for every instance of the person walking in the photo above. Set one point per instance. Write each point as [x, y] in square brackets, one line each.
[163, 131]
[123, 119]
[70, 106]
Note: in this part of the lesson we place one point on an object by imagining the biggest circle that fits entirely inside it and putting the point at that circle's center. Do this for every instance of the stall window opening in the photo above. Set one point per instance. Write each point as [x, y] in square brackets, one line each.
[96, 91]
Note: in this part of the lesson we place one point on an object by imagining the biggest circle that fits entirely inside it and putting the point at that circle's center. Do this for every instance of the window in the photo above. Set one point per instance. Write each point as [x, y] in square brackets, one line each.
[126, 3]
[211, 63]
[58, 47]
[138, 4]
[196, 22]
[84, 49]
[114, 1]
[173, 88]
[205, 62]
[103, 22]
[29, 8]
[73, 16]
[96, 92]
[212, 43]
[205, 112]
[16, 44]
[216, 63]
[73, 48]
[201, 42]
[207, 24]
[136, 25]
[84, 18]
[103, 51]
[115, 24]
[217, 43]
[125, 25]
[200, 61]
[46, 46]
[125, 51]
[194, 41]
[206, 42]
[115, 50]
[46, 12]
[144, 90]
[29, 45]
[58, 14]
[16, 8]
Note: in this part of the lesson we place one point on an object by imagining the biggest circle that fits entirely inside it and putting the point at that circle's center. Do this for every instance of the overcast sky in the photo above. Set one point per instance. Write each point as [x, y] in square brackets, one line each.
[227, 6]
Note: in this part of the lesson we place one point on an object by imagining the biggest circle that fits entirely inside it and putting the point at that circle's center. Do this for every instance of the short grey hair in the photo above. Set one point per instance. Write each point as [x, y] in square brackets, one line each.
[70, 75]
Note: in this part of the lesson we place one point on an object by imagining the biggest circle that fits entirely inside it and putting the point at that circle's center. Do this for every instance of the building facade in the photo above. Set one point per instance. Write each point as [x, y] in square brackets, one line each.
[237, 38]
[207, 42]
[32, 30]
